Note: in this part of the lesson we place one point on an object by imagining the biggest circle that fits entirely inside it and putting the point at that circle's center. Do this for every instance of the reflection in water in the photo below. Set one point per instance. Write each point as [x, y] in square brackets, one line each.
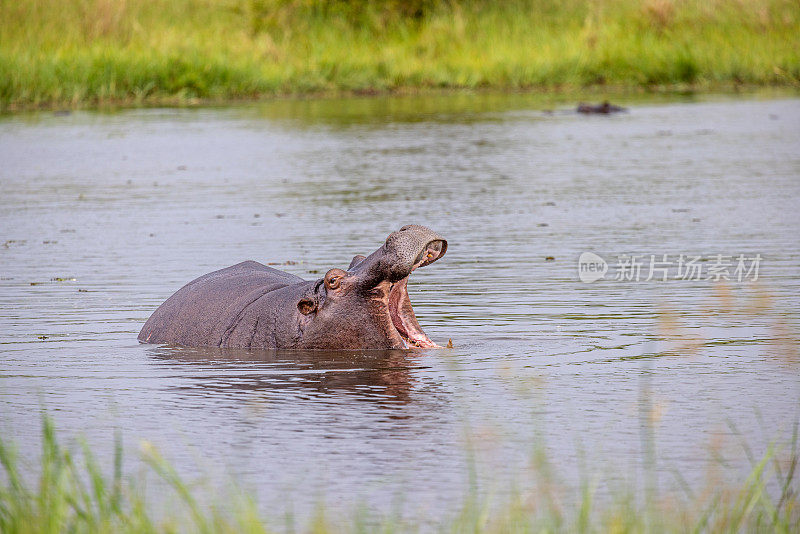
[381, 376]
[445, 108]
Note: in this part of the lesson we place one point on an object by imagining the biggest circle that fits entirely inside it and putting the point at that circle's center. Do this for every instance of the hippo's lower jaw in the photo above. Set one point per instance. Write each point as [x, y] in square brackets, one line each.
[403, 318]
[402, 313]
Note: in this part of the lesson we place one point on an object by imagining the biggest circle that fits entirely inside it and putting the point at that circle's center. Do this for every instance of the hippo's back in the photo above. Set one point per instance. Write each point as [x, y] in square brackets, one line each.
[200, 312]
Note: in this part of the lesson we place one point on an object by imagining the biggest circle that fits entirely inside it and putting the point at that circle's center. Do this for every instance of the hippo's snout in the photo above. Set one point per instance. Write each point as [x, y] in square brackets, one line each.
[411, 247]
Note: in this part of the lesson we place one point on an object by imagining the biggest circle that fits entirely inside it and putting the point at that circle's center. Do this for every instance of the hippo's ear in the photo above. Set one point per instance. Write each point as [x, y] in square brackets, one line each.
[307, 305]
[358, 258]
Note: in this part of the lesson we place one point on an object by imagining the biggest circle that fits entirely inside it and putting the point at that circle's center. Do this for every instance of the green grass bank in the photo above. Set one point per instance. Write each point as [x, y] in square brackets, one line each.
[58, 53]
[72, 493]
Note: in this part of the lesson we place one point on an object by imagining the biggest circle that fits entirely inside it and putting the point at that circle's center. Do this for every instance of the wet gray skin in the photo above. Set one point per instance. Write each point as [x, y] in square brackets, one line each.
[250, 305]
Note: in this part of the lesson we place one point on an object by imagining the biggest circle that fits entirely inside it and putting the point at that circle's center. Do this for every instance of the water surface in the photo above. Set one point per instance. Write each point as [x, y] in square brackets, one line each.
[134, 204]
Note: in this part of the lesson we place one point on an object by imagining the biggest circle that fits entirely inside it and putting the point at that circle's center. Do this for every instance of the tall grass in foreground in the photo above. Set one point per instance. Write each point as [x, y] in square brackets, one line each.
[86, 52]
[73, 495]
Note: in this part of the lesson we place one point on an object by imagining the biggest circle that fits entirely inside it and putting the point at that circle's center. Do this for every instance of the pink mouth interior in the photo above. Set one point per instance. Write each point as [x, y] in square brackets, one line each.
[403, 317]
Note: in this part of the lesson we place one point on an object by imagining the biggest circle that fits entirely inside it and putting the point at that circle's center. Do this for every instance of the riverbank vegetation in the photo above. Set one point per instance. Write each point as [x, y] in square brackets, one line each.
[71, 493]
[58, 53]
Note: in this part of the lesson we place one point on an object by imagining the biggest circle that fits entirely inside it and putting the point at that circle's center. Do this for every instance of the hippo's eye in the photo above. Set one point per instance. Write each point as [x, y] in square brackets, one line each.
[333, 278]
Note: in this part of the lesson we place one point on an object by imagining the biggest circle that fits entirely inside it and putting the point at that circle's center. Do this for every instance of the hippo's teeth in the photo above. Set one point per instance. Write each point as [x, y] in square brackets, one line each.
[403, 318]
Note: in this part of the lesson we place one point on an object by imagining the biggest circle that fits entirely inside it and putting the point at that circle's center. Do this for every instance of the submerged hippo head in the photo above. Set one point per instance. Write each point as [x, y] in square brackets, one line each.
[251, 305]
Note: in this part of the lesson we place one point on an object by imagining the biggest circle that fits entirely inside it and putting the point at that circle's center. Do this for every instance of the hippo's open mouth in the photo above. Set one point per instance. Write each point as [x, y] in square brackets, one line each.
[403, 318]
[399, 304]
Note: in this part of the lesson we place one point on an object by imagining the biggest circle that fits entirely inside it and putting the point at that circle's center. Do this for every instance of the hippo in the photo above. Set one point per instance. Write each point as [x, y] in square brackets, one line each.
[250, 305]
[603, 109]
